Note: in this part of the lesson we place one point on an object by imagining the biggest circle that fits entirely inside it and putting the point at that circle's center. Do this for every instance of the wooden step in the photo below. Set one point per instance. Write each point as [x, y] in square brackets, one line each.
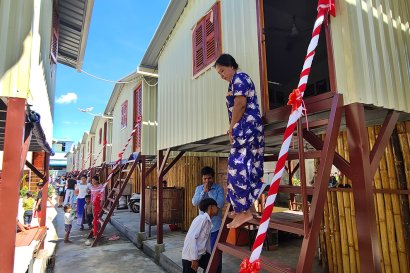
[291, 227]
[106, 210]
[131, 161]
[115, 189]
[101, 221]
[266, 263]
[112, 200]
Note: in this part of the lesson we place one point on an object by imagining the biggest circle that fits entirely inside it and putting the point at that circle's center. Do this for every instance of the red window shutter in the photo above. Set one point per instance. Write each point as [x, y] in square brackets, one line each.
[206, 44]
[100, 136]
[138, 114]
[212, 35]
[124, 110]
[198, 47]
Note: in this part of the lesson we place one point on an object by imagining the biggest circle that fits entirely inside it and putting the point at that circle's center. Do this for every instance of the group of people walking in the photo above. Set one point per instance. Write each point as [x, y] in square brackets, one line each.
[81, 201]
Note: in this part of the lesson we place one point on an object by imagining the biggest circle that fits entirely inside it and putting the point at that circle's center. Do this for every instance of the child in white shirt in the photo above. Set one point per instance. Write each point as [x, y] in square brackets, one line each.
[68, 219]
[197, 249]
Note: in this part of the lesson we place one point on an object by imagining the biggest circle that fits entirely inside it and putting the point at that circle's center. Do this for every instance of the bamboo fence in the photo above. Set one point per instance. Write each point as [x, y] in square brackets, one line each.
[339, 242]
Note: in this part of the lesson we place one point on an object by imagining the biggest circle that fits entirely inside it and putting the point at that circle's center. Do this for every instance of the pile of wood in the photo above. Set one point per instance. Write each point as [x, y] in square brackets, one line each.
[338, 237]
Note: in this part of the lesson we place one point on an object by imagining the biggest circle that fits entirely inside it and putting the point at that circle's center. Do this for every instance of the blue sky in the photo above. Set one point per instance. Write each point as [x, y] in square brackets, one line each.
[119, 35]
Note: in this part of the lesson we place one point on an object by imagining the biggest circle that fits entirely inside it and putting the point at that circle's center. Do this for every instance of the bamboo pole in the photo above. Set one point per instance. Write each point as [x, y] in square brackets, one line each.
[402, 184]
[401, 245]
[381, 212]
[328, 235]
[338, 248]
[389, 213]
[355, 240]
[349, 231]
[343, 232]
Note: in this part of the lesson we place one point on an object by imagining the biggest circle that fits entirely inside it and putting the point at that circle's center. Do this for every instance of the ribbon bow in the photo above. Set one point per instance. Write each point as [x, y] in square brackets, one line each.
[329, 5]
[248, 267]
[295, 99]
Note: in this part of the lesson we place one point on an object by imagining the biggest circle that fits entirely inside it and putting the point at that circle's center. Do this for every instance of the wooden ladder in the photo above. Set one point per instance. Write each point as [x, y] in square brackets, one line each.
[310, 227]
[111, 202]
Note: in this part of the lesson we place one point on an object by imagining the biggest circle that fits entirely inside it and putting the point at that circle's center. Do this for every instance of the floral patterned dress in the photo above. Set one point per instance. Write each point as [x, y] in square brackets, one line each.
[245, 161]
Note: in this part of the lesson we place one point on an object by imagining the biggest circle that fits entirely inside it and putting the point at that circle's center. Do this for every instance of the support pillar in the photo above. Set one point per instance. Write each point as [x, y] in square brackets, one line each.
[45, 191]
[160, 203]
[357, 138]
[11, 177]
[142, 199]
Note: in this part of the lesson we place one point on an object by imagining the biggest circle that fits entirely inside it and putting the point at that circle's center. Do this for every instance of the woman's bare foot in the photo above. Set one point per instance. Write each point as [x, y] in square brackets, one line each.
[232, 214]
[240, 219]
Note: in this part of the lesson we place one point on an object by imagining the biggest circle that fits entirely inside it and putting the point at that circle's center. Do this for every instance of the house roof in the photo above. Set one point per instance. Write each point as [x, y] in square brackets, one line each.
[74, 23]
[134, 76]
[84, 139]
[38, 141]
[94, 125]
[164, 29]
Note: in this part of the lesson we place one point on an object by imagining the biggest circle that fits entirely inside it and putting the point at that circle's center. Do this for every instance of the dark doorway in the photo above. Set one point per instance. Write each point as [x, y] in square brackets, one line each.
[288, 28]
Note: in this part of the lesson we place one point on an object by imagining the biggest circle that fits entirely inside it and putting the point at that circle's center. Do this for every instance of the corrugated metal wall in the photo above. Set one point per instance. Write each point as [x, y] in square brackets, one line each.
[121, 135]
[98, 147]
[371, 41]
[149, 117]
[194, 109]
[25, 70]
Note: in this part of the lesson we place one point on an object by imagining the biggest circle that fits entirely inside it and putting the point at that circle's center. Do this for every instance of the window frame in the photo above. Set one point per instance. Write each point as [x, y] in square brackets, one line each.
[207, 44]
[124, 114]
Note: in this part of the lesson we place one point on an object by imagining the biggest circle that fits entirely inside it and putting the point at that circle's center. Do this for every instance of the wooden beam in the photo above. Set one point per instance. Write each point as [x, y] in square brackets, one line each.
[11, 177]
[358, 142]
[342, 164]
[174, 160]
[382, 140]
[34, 170]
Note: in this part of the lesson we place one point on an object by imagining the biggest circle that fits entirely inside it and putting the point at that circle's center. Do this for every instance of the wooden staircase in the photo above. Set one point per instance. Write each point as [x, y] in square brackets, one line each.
[312, 218]
[111, 202]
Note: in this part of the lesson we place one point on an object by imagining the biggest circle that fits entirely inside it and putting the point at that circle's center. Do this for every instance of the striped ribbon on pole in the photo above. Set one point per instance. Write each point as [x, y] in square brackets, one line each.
[120, 154]
[102, 149]
[295, 99]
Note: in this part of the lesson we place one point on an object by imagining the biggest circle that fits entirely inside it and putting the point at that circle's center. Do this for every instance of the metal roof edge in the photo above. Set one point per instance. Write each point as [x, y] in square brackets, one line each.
[117, 90]
[164, 29]
[87, 21]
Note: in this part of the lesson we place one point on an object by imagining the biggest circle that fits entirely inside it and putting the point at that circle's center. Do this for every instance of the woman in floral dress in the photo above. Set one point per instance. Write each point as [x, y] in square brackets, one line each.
[245, 162]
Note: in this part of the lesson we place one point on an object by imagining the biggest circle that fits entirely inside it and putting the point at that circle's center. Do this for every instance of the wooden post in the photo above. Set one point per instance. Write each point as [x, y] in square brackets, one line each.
[369, 250]
[9, 185]
[45, 191]
[160, 165]
[142, 198]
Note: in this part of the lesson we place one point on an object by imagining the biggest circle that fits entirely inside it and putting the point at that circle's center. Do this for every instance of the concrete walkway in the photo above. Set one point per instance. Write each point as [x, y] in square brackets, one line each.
[128, 224]
[108, 257]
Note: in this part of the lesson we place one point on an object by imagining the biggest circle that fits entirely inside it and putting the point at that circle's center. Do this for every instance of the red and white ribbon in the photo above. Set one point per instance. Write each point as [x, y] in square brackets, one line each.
[120, 154]
[295, 99]
[102, 149]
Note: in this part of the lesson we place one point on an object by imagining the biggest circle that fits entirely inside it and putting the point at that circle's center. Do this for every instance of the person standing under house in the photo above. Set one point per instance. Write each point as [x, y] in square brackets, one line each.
[197, 248]
[82, 189]
[97, 199]
[37, 206]
[61, 191]
[69, 193]
[210, 189]
[28, 205]
[246, 135]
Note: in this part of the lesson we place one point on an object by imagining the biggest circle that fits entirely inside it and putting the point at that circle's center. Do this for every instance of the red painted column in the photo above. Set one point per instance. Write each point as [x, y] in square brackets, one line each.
[160, 203]
[358, 142]
[9, 186]
[142, 194]
[45, 191]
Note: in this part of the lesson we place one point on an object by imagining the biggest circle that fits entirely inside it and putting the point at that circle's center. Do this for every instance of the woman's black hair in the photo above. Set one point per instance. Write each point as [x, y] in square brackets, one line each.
[206, 203]
[96, 178]
[226, 60]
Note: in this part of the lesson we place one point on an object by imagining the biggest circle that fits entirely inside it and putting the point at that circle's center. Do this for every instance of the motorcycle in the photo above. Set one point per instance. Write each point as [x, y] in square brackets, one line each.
[134, 202]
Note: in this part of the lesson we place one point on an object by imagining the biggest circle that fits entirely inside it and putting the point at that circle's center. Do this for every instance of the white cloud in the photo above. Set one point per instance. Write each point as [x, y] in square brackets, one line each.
[67, 98]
